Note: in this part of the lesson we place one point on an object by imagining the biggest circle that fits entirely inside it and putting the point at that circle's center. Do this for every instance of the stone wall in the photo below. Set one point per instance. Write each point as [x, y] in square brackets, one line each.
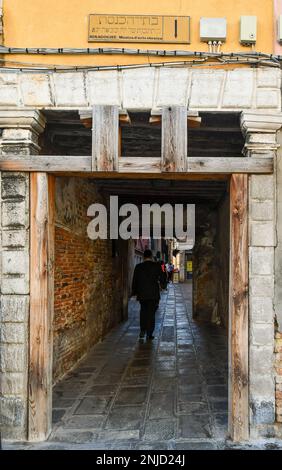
[145, 88]
[88, 279]
[261, 299]
[20, 132]
[278, 285]
[278, 376]
[14, 308]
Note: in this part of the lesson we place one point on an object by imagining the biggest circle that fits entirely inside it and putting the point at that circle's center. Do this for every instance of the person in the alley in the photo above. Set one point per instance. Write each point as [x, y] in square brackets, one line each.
[146, 287]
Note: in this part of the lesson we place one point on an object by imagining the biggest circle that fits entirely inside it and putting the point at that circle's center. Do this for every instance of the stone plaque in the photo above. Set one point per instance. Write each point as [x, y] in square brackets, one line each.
[139, 28]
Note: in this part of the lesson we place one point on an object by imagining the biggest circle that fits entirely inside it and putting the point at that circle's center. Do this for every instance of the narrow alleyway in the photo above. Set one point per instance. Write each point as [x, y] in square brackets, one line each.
[158, 394]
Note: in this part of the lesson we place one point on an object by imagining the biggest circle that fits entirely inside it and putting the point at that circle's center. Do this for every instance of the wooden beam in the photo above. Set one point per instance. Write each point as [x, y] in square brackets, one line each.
[238, 309]
[174, 139]
[230, 165]
[86, 117]
[42, 189]
[46, 163]
[82, 164]
[193, 122]
[139, 165]
[105, 138]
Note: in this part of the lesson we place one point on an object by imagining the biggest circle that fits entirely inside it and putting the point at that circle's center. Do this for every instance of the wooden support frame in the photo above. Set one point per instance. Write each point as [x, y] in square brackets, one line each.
[83, 164]
[105, 138]
[238, 309]
[42, 210]
[174, 139]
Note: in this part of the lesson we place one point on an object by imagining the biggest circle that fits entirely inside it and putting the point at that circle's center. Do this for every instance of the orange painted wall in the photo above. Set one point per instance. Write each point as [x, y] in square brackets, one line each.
[64, 23]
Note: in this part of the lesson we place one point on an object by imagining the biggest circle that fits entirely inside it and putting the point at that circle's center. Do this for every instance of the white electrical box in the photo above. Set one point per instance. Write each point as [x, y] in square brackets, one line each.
[248, 29]
[279, 29]
[213, 29]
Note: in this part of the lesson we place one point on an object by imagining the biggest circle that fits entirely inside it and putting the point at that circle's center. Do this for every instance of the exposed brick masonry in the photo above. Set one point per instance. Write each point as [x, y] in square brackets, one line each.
[84, 275]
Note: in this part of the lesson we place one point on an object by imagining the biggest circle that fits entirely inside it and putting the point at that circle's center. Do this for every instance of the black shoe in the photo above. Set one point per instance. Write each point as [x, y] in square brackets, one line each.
[142, 335]
[150, 337]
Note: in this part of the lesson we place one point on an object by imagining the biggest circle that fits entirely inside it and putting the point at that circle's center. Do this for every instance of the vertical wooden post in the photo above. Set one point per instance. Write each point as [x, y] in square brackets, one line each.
[120, 141]
[105, 138]
[174, 139]
[42, 195]
[238, 310]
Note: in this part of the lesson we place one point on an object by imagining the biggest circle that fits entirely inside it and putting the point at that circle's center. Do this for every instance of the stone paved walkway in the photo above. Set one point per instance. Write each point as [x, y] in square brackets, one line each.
[148, 394]
[169, 393]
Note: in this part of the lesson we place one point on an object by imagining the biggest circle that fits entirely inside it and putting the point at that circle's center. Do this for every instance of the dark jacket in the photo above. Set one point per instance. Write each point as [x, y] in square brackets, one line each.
[145, 284]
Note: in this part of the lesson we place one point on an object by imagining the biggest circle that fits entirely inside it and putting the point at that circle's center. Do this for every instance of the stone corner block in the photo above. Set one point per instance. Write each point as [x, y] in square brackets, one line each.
[262, 412]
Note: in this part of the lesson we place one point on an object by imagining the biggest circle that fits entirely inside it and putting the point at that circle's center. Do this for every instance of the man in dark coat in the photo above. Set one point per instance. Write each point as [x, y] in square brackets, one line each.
[146, 287]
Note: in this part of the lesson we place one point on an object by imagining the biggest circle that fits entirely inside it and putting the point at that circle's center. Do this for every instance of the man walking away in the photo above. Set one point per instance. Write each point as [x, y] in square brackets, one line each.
[170, 272]
[145, 286]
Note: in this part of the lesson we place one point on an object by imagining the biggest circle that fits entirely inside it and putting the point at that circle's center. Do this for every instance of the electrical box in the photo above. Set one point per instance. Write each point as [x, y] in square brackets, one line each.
[279, 29]
[248, 29]
[213, 29]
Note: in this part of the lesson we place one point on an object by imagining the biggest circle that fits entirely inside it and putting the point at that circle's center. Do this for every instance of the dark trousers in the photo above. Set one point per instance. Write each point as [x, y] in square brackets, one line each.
[147, 316]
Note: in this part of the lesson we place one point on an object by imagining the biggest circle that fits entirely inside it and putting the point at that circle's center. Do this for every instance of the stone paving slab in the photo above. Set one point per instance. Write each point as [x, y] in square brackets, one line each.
[158, 394]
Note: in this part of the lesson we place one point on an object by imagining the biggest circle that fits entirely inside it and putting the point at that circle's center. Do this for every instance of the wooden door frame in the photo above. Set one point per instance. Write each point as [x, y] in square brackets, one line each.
[238, 344]
[42, 246]
[42, 222]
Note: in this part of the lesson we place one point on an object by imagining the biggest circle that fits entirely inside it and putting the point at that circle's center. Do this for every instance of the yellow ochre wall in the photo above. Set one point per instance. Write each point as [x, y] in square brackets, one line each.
[64, 23]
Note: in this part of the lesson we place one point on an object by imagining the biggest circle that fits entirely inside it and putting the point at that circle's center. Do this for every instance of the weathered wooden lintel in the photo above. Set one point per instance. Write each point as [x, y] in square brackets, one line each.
[82, 164]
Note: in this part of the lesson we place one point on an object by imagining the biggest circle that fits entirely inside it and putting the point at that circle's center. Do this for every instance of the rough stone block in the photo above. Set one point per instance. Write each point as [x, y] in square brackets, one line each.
[9, 78]
[13, 357]
[268, 99]
[238, 90]
[103, 88]
[18, 135]
[13, 187]
[138, 88]
[261, 359]
[12, 412]
[35, 89]
[14, 214]
[15, 285]
[262, 387]
[9, 95]
[15, 262]
[261, 309]
[268, 78]
[14, 308]
[261, 138]
[262, 210]
[13, 333]
[263, 412]
[262, 187]
[262, 234]
[262, 334]
[205, 89]
[69, 89]
[261, 261]
[14, 238]
[13, 383]
[262, 286]
[167, 92]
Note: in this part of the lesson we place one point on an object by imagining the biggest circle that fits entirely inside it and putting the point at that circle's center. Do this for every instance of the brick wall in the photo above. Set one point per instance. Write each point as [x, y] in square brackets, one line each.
[88, 284]
[211, 264]
[204, 264]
